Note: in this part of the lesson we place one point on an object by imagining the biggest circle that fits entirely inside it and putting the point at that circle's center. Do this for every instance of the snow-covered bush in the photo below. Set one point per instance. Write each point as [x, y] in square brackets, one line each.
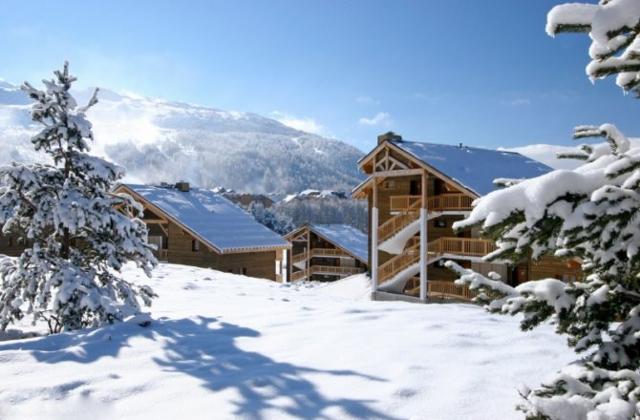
[590, 214]
[78, 233]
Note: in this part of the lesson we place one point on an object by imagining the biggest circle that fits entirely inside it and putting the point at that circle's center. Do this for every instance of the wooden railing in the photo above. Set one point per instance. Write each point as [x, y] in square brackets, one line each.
[449, 289]
[328, 252]
[398, 222]
[444, 202]
[389, 269]
[298, 275]
[330, 269]
[440, 202]
[299, 257]
[411, 255]
[463, 246]
[440, 289]
[404, 202]
[326, 269]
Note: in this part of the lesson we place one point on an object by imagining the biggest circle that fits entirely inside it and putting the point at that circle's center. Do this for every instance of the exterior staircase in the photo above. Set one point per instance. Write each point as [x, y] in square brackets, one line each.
[394, 274]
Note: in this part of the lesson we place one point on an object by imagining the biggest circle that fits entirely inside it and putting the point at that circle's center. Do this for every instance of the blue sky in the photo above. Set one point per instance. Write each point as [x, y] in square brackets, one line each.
[479, 72]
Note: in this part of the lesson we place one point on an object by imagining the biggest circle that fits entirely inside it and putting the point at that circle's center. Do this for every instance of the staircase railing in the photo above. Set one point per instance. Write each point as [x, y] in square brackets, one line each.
[411, 255]
[399, 221]
[299, 275]
[299, 257]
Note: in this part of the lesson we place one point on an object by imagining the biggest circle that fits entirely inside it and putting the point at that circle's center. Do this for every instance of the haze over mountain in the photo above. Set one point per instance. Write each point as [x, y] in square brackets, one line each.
[158, 140]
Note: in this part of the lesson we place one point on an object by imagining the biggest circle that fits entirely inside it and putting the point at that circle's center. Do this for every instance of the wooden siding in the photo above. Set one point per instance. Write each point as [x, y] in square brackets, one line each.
[253, 264]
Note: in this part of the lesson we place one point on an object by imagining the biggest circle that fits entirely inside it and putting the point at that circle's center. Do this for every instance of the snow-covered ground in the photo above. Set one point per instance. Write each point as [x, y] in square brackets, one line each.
[227, 346]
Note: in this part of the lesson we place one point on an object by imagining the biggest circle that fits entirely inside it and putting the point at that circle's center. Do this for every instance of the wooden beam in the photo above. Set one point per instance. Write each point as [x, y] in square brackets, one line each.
[400, 172]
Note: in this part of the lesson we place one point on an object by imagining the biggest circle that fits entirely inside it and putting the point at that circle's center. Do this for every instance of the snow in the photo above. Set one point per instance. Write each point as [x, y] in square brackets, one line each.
[213, 217]
[473, 167]
[228, 346]
[166, 141]
[346, 237]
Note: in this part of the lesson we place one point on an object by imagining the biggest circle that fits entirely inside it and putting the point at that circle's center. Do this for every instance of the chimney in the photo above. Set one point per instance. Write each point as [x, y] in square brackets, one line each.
[182, 186]
[389, 136]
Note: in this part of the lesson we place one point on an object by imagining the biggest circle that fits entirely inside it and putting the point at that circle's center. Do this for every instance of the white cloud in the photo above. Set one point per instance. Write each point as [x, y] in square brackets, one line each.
[308, 125]
[381, 118]
[520, 102]
[367, 100]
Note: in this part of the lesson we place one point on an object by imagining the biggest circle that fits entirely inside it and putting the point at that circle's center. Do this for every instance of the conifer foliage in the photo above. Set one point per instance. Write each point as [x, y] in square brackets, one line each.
[590, 214]
[78, 233]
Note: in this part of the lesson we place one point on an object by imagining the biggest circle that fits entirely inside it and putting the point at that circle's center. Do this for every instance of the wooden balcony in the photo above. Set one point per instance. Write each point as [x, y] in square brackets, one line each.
[472, 247]
[328, 253]
[326, 269]
[441, 202]
[441, 289]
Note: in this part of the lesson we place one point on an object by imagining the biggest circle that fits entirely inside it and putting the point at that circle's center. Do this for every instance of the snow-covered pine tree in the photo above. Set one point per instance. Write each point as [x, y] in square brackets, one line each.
[592, 214]
[79, 233]
[275, 221]
[614, 28]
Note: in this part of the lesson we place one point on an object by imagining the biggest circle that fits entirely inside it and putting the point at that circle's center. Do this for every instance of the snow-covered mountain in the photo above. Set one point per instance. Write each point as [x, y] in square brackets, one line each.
[158, 140]
[547, 153]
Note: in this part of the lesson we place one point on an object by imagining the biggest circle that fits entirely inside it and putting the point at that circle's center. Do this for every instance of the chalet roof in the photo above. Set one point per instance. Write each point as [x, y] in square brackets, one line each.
[346, 237]
[473, 167]
[211, 217]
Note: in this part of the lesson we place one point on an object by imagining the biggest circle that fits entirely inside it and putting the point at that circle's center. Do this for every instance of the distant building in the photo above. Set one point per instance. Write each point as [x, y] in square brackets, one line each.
[327, 252]
[199, 227]
[415, 191]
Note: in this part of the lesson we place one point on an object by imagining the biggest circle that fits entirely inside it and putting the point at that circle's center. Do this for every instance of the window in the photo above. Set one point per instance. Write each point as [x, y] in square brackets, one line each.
[388, 185]
[195, 245]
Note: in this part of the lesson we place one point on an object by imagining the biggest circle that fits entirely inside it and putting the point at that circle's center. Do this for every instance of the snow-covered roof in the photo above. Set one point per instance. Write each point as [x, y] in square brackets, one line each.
[210, 216]
[346, 237]
[473, 167]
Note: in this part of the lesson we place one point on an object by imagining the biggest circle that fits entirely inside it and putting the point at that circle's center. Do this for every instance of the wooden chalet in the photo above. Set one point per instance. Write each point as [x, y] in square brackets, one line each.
[327, 252]
[416, 191]
[199, 227]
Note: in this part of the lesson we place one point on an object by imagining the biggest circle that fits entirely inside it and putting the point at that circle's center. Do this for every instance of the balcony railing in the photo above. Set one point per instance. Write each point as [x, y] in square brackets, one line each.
[326, 269]
[473, 247]
[441, 289]
[441, 202]
[328, 252]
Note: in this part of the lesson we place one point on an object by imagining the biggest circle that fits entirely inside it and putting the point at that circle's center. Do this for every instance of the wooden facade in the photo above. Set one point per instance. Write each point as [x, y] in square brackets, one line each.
[177, 244]
[412, 207]
[315, 257]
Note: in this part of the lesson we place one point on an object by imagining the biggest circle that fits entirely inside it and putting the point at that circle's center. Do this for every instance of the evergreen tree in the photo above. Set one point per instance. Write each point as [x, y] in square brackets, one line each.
[79, 233]
[591, 214]
[275, 221]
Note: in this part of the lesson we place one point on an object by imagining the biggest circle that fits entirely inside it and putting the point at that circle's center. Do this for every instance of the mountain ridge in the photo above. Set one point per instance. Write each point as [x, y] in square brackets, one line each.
[158, 140]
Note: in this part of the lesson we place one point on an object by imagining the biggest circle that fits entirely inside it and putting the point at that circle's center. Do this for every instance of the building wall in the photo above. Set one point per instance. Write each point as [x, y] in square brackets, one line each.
[180, 250]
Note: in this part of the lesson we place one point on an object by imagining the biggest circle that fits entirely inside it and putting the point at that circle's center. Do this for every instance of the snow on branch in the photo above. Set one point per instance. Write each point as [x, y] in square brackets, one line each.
[614, 28]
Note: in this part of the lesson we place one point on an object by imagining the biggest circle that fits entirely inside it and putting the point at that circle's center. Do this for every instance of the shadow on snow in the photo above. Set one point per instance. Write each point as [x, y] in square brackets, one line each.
[206, 349]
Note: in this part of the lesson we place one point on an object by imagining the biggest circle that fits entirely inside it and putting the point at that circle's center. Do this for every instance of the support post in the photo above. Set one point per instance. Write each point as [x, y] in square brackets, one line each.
[308, 276]
[374, 238]
[424, 252]
[285, 265]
